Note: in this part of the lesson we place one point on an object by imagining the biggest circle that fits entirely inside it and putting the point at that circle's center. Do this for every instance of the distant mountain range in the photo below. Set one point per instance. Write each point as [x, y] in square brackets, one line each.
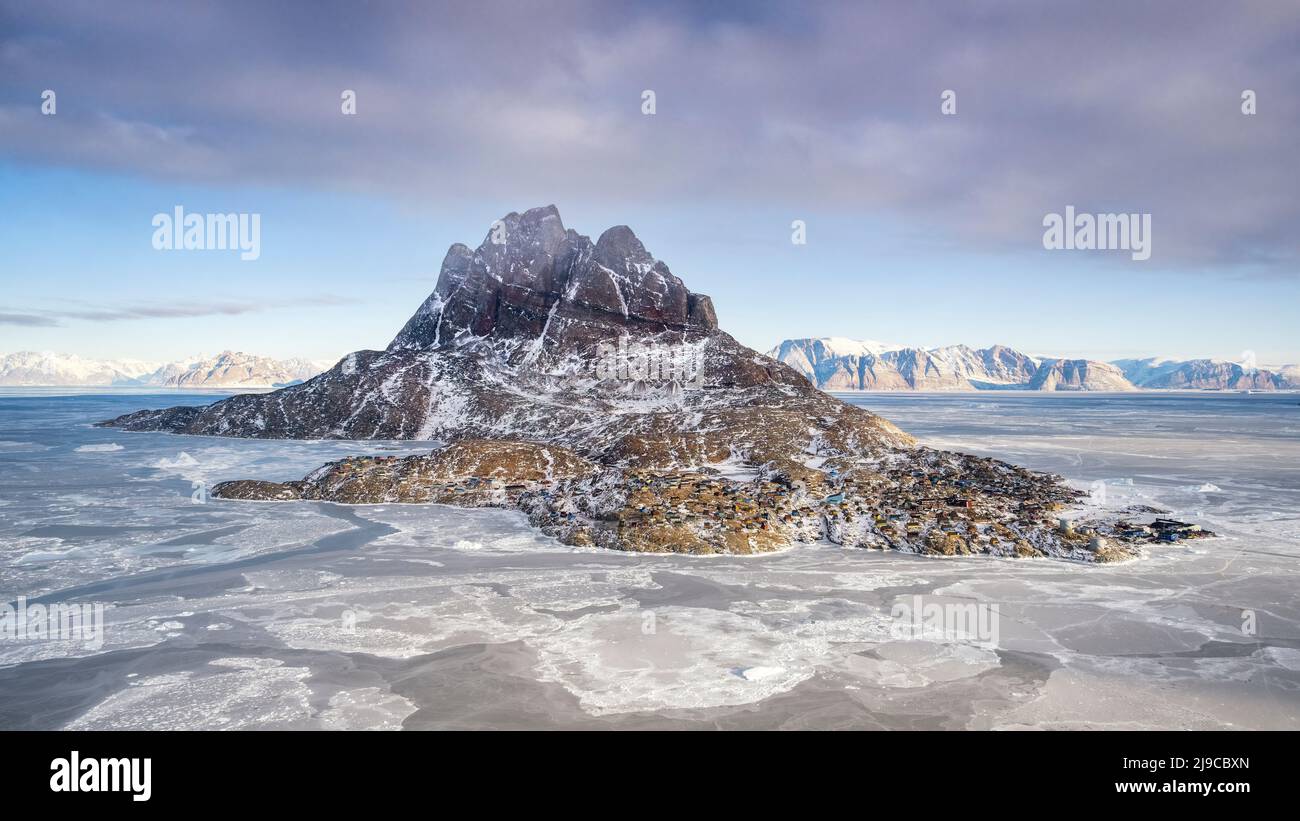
[830, 363]
[229, 369]
[1207, 374]
[839, 364]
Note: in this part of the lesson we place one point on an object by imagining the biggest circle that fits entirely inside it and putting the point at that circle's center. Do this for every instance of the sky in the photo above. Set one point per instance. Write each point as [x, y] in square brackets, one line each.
[923, 228]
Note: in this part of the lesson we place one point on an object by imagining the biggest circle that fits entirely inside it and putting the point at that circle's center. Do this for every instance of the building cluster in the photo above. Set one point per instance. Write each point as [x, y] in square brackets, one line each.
[1160, 530]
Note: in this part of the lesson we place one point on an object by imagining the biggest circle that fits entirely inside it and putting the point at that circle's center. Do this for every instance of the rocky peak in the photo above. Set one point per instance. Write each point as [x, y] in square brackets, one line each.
[619, 248]
[532, 280]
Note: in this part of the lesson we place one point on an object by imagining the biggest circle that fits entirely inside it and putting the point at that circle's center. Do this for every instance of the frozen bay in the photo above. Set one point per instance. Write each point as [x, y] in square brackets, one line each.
[312, 615]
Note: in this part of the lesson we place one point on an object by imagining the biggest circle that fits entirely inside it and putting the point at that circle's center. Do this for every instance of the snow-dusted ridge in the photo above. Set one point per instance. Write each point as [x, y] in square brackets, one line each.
[839, 364]
[229, 369]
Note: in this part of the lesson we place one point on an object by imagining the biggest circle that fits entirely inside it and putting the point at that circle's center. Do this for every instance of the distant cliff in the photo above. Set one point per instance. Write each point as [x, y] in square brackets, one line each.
[1206, 374]
[229, 369]
[1078, 375]
[839, 364]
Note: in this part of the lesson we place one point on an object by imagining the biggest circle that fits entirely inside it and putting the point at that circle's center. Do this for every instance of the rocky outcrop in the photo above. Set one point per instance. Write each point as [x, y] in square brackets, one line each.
[471, 471]
[533, 280]
[583, 384]
[512, 343]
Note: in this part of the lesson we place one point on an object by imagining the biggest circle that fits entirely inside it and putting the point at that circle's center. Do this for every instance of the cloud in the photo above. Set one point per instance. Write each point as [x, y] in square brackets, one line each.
[831, 106]
[174, 310]
[29, 320]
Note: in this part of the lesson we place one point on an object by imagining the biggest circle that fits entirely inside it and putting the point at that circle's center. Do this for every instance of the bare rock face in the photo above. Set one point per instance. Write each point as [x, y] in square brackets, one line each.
[1079, 375]
[585, 385]
[511, 343]
[533, 280]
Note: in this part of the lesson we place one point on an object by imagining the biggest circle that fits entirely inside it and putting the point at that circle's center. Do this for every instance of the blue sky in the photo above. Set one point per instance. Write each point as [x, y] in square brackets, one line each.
[922, 230]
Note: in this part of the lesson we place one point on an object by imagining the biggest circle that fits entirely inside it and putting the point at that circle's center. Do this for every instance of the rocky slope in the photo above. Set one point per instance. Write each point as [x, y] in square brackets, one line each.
[584, 384]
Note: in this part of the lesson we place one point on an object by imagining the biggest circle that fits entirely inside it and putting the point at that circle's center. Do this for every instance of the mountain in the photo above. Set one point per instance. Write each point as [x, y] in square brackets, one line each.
[234, 369]
[834, 365]
[958, 367]
[1205, 374]
[227, 370]
[31, 369]
[585, 385]
[508, 342]
[838, 364]
[1078, 375]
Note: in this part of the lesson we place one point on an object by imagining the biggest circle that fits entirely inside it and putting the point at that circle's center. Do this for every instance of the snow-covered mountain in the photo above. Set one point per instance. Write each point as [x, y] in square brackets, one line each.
[231, 369]
[959, 367]
[1078, 375]
[511, 342]
[29, 368]
[1206, 374]
[831, 364]
[228, 369]
[838, 364]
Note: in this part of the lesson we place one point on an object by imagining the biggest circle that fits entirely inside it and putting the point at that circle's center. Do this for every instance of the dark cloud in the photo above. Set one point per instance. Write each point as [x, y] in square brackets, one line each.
[1106, 106]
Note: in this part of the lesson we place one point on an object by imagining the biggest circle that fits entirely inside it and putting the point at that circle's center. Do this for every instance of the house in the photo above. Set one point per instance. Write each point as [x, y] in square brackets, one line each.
[1174, 526]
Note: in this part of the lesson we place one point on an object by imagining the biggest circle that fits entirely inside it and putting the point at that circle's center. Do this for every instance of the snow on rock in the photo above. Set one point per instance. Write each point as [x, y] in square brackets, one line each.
[586, 386]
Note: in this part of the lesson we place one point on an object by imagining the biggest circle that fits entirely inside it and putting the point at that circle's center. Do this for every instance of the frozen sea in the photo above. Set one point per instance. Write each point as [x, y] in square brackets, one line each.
[223, 615]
